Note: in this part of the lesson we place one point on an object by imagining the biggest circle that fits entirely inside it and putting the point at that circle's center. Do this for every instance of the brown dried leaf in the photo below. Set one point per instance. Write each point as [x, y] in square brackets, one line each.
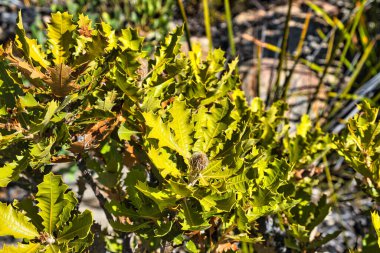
[224, 247]
[61, 82]
[61, 159]
[29, 71]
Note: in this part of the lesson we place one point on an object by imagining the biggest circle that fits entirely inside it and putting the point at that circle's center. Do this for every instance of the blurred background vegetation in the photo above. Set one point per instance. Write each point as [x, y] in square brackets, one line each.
[320, 56]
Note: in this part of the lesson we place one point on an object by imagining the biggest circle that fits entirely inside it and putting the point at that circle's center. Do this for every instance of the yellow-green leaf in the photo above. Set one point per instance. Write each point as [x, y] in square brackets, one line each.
[79, 227]
[21, 248]
[51, 201]
[376, 223]
[29, 46]
[161, 132]
[161, 160]
[182, 126]
[15, 224]
[60, 34]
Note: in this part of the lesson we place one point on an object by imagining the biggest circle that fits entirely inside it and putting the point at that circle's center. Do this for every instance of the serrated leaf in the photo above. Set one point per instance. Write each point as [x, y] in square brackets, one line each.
[11, 171]
[69, 204]
[78, 228]
[51, 201]
[180, 189]
[209, 125]
[239, 183]
[85, 26]
[28, 101]
[108, 102]
[40, 153]
[53, 248]
[51, 109]
[29, 46]
[376, 224]
[193, 219]
[182, 126]
[60, 34]
[21, 248]
[31, 211]
[126, 73]
[304, 127]
[124, 133]
[191, 247]
[245, 238]
[15, 224]
[162, 198]
[161, 159]
[161, 132]
[170, 47]
[61, 80]
[83, 244]
[130, 40]
[110, 35]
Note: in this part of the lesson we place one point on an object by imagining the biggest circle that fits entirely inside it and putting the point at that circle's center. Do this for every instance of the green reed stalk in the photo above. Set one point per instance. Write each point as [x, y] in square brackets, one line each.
[184, 19]
[206, 14]
[284, 46]
[229, 27]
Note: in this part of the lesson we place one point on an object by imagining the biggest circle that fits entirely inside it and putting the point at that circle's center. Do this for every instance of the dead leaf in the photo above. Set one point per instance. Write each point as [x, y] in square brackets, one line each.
[224, 247]
[61, 82]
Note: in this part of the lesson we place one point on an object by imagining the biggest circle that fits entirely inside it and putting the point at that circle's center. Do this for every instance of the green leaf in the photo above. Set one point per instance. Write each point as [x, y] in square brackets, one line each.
[163, 199]
[11, 171]
[182, 126]
[210, 125]
[376, 224]
[15, 224]
[161, 132]
[129, 228]
[124, 133]
[304, 127]
[108, 102]
[29, 46]
[130, 40]
[238, 183]
[53, 248]
[161, 159]
[21, 248]
[28, 101]
[112, 157]
[69, 204]
[191, 247]
[40, 153]
[163, 228]
[60, 34]
[110, 35]
[50, 197]
[193, 219]
[79, 227]
[51, 109]
[31, 211]
[170, 47]
[245, 238]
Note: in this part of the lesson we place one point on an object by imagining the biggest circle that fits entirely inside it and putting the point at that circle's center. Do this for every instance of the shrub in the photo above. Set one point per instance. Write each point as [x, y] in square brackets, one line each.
[175, 155]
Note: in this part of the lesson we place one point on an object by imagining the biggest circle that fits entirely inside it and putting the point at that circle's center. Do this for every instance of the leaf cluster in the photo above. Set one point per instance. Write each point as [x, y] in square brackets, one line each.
[171, 148]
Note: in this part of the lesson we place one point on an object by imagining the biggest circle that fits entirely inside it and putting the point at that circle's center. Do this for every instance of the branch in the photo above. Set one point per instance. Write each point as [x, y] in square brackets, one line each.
[89, 179]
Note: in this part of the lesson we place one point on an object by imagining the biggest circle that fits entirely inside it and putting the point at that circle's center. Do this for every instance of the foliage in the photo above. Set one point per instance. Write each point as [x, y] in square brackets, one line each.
[172, 150]
[359, 146]
[55, 226]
